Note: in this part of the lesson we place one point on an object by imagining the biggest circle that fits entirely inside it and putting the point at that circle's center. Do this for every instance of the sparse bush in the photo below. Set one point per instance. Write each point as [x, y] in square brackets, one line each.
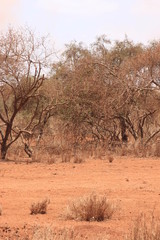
[39, 207]
[139, 149]
[66, 158]
[66, 155]
[77, 159]
[51, 160]
[156, 149]
[145, 229]
[42, 154]
[91, 208]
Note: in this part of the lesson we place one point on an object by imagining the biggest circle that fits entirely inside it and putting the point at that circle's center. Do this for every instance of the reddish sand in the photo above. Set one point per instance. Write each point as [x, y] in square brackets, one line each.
[134, 184]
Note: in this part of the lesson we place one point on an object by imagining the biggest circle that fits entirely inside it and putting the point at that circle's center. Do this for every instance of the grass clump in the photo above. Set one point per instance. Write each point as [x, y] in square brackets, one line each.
[91, 208]
[39, 207]
[78, 159]
[47, 233]
[145, 229]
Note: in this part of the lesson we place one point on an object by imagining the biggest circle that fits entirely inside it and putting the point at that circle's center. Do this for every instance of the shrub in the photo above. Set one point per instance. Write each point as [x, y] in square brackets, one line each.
[145, 229]
[91, 208]
[39, 207]
[78, 159]
[66, 157]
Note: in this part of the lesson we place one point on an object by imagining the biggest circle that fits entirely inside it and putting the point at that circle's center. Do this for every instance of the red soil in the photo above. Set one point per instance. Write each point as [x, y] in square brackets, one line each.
[134, 184]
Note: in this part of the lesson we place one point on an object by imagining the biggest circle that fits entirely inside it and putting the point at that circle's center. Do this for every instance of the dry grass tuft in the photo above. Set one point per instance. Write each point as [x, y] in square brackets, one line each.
[78, 159]
[0, 210]
[39, 207]
[145, 229]
[91, 208]
[66, 157]
[110, 159]
[47, 233]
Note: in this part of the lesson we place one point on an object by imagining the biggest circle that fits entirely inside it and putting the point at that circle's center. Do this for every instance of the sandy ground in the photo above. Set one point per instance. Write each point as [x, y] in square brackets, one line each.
[134, 184]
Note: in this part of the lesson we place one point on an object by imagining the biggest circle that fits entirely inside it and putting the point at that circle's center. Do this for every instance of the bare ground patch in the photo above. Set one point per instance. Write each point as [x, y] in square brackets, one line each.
[133, 183]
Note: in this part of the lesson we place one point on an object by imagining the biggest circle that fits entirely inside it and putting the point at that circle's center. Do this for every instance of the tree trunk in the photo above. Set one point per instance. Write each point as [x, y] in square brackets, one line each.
[3, 151]
[28, 150]
[124, 136]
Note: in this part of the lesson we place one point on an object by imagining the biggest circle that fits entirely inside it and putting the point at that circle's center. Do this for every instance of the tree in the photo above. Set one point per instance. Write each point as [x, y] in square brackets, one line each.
[23, 59]
[111, 90]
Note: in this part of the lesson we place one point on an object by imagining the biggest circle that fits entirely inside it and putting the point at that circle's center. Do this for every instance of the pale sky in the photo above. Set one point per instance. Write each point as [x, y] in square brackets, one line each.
[84, 20]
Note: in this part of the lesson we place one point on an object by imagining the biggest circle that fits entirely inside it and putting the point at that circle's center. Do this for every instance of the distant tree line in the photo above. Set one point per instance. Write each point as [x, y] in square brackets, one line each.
[107, 94]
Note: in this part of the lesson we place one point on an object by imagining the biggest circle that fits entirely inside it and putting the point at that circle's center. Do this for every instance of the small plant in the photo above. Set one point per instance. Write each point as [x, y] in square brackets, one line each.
[51, 160]
[91, 208]
[0, 210]
[66, 158]
[145, 229]
[110, 159]
[78, 159]
[39, 207]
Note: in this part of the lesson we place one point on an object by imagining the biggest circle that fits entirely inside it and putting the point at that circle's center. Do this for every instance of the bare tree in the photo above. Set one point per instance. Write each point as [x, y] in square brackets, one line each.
[112, 90]
[23, 59]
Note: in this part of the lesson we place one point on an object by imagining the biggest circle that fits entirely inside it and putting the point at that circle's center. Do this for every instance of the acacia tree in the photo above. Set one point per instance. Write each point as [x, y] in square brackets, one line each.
[23, 57]
[142, 74]
[101, 87]
[112, 91]
[87, 79]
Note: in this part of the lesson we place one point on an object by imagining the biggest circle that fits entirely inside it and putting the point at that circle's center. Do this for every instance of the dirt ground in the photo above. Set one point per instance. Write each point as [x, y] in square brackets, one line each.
[133, 184]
